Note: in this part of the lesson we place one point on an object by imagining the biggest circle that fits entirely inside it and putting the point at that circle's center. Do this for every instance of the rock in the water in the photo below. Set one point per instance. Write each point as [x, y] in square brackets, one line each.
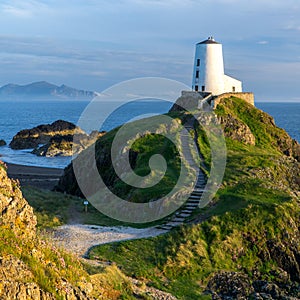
[2, 143]
[65, 145]
[54, 139]
[32, 138]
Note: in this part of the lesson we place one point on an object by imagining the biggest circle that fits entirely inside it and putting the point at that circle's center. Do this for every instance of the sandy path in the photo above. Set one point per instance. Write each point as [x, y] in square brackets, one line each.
[79, 238]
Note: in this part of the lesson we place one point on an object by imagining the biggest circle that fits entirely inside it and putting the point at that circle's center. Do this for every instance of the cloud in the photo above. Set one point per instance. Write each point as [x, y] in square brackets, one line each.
[17, 12]
[292, 26]
[52, 60]
[88, 41]
[263, 42]
[22, 9]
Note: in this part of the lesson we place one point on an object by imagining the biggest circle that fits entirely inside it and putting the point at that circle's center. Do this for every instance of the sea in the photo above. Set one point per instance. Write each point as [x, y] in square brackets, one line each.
[15, 116]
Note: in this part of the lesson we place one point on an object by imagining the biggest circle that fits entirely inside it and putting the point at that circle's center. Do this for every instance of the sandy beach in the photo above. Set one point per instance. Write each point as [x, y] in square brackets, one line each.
[40, 177]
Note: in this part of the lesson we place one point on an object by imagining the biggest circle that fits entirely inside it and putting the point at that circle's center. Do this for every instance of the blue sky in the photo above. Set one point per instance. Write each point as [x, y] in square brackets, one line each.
[92, 44]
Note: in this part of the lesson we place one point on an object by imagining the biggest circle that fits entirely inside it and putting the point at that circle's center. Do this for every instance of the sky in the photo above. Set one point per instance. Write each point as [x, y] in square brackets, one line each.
[93, 44]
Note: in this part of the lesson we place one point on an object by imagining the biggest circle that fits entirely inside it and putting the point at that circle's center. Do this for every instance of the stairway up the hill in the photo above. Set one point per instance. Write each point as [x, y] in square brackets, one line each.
[193, 201]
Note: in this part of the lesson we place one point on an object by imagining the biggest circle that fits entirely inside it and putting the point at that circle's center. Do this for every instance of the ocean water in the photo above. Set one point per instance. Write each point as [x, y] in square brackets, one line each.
[286, 116]
[15, 116]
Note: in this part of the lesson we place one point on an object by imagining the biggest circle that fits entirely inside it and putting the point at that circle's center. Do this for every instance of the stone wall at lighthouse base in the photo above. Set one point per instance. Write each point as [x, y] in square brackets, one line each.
[248, 97]
[192, 100]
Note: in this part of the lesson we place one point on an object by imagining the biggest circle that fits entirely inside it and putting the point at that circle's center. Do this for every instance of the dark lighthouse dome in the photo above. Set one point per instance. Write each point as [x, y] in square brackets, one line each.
[210, 40]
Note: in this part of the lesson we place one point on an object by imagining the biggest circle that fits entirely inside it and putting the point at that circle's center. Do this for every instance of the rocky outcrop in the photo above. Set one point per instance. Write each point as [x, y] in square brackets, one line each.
[287, 145]
[229, 285]
[31, 268]
[284, 175]
[17, 281]
[237, 130]
[32, 138]
[16, 213]
[237, 285]
[54, 139]
[236, 114]
[13, 271]
[64, 145]
[2, 143]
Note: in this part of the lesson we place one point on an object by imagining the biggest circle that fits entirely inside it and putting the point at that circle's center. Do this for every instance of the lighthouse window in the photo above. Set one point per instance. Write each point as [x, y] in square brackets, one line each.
[197, 74]
[203, 88]
[196, 88]
[233, 88]
[198, 62]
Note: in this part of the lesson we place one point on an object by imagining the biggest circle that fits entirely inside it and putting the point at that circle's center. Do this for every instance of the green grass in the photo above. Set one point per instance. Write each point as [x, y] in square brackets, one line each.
[182, 261]
[204, 146]
[50, 208]
[141, 152]
[51, 267]
[248, 210]
[54, 209]
[267, 136]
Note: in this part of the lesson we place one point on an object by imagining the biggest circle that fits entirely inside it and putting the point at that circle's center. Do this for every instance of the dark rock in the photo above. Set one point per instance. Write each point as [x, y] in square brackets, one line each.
[256, 296]
[282, 276]
[284, 256]
[2, 143]
[54, 139]
[230, 285]
[32, 138]
[66, 145]
[266, 296]
[259, 284]
[273, 290]
[266, 288]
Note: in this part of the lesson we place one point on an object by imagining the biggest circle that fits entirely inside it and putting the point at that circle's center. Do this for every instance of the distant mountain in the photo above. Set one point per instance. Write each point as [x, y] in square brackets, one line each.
[43, 90]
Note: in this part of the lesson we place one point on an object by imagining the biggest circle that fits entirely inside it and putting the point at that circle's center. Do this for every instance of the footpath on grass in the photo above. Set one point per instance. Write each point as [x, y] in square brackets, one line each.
[78, 238]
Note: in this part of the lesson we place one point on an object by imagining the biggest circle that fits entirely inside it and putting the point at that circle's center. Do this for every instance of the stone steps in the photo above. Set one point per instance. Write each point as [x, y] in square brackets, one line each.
[193, 196]
[191, 206]
[193, 203]
[184, 215]
[196, 194]
[186, 211]
[194, 199]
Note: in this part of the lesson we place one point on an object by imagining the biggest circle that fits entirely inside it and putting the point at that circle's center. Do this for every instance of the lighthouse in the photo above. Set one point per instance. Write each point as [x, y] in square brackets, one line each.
[208, 74]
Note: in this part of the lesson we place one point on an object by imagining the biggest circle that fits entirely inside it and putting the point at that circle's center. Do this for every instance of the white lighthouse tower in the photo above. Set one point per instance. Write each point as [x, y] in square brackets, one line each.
[208, 75]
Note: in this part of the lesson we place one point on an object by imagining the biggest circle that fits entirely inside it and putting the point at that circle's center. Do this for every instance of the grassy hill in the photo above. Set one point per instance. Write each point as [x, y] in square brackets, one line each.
[32, 267]
[245, 244]
[249, 241]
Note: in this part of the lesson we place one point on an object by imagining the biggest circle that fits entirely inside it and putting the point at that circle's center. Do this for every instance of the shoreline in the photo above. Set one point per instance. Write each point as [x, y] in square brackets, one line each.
[39, 177]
